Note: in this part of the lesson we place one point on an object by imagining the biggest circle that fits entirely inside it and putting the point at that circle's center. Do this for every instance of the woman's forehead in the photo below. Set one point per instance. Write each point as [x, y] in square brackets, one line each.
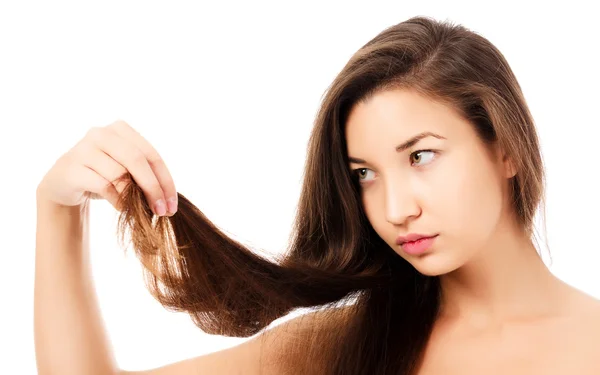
[403, 112]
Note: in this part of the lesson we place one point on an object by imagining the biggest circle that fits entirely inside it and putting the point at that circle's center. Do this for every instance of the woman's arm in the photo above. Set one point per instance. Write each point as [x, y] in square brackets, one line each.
[69, 333]
[68, 328]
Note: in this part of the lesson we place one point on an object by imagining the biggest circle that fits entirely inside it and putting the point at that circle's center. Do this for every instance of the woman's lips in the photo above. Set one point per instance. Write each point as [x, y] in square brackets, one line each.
[418, 246]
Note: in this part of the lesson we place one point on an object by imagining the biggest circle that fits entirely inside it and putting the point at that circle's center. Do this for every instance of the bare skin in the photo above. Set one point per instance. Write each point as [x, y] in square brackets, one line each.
[69, 331]
[506, 313]
[503, 311]
[566, 344]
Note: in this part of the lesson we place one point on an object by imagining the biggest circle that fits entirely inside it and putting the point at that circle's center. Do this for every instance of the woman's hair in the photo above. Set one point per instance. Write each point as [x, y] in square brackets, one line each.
[335, 258]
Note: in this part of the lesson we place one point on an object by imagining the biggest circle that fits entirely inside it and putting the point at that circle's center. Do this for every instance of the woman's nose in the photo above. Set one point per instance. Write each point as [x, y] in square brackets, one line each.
[400, 204]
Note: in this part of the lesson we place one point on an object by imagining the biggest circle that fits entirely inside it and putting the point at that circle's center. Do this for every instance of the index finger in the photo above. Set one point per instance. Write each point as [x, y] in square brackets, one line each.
[154, 159]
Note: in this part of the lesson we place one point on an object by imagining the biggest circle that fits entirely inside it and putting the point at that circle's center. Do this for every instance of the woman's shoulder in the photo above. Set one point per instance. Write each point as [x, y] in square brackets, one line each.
[587, 337]
[591, 315]
[583, 328]
[280, 349]
[322, 320]
[299, 341]
[586, 309]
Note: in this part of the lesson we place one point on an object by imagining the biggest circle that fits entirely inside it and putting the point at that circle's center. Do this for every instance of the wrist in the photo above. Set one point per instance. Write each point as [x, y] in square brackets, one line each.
[44, 203]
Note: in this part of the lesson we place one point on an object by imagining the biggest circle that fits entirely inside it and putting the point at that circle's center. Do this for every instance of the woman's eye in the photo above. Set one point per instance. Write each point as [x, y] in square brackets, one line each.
[420, 155]
[419, 158]
[360, 173]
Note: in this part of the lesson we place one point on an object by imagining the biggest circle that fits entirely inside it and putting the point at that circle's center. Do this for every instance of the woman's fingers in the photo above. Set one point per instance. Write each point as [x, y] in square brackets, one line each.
[124, 152]
[94, 167]
[107, 167]
[155, 161]
[94, 184]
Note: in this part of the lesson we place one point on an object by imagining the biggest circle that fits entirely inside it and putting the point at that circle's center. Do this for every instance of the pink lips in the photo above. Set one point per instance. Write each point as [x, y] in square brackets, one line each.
[412, 237]
[415, 244]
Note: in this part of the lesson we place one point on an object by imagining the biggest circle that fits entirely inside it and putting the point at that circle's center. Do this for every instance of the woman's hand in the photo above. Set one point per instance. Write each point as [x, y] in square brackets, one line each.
[92, 167]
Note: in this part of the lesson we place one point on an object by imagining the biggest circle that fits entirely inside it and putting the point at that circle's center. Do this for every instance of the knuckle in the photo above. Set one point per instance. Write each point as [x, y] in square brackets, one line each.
[82, 152]
[119, 124]
[138, 158]
[77, 153]
[94, 130]
[155, 159]
[95, 133]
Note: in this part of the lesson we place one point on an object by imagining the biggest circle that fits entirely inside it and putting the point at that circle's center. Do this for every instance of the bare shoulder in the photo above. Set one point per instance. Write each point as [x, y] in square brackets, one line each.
[588, 311]
[584, 334]
[594, 317]
[590, 336]
[262, 354]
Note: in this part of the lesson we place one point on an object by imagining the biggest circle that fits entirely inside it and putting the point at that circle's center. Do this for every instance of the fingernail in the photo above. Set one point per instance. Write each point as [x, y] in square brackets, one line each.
[160, 208]
[172, 203]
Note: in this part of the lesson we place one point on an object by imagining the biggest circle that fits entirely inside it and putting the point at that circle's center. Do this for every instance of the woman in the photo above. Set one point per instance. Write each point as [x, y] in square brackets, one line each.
[413, 236]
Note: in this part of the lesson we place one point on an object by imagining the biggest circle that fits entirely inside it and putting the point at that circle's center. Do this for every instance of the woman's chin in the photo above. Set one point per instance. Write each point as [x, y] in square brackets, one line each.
[433, 265]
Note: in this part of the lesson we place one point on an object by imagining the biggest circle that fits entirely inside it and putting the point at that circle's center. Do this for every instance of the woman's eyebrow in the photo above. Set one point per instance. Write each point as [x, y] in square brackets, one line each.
[405, 145]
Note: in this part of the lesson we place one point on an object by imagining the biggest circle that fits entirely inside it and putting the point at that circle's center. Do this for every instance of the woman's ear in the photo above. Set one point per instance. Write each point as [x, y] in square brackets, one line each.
[508, 167]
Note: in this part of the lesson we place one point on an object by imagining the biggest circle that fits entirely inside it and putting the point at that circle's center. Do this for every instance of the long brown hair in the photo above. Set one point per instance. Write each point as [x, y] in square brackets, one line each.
[335, 258]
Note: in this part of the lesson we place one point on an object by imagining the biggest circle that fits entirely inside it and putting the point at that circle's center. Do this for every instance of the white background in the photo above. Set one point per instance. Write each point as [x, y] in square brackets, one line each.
[227, 93]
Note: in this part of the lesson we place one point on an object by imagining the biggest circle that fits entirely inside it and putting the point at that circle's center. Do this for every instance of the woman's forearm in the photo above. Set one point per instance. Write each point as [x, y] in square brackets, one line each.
[69, 333]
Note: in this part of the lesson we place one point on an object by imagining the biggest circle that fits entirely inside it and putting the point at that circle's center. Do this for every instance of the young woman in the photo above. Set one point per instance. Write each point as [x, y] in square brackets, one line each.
[413, 238]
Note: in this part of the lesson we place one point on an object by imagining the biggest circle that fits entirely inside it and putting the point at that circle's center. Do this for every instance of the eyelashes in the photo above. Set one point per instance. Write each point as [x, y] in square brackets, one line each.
[356, 173]
[420, 151]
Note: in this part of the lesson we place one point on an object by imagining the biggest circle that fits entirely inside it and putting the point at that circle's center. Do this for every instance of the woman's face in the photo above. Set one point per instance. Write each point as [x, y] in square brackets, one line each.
[446, 184]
